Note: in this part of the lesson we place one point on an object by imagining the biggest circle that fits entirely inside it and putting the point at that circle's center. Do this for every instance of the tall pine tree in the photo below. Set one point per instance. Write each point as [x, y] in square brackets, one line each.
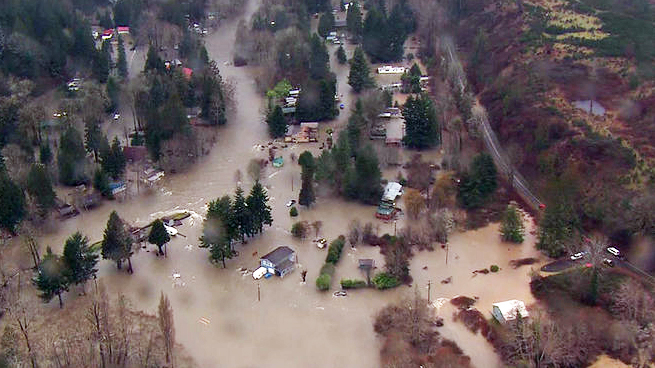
[307, 196]
[117, 242]
[260, 211]
[277, 124]
[158, 235]
[359, 77]
[121, 63]
[39, 187]
[50, 278]
[354, 22]
[422, 126]
[79, 259]
[240, 216]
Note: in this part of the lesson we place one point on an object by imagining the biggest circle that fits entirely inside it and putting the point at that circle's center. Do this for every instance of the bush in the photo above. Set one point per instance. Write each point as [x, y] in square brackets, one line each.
[334, 251]
[384, 280]
[299, 229]
[323, 282]
[293, 212]
[494, 268]
[353, 284]
[327, 269]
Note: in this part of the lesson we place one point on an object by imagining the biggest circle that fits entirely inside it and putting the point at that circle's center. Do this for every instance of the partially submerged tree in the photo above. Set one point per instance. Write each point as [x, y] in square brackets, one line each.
[158, 235]
[307, 196]
[511, 228]
[359, 77]
[167, 328]
[40, 189]
[50, 278]
[79, 259]
[117, 242]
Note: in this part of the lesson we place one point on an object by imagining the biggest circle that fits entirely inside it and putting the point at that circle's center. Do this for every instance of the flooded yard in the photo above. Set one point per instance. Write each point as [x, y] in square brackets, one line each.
[218, 316]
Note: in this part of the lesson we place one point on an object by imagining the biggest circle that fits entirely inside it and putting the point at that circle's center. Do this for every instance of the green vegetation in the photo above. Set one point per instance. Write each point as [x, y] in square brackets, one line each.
[12, 202]
[307, 196]
[511, 228]
[479, 183]
[39, 187]
[423, 129]
[324, 280]
[354, 22]
[494, 268]
[359, 78]
[293, 212]
[412, 81]
[113, 160]
[334, 250]
[383, 37]
[277, 123]
[325, 23]
[49, 279]
[353, 284]
[341, 55]
[117, 242]
[70, 158]
[79, 259]
[158, 235]
[383, 280]
[300, 229]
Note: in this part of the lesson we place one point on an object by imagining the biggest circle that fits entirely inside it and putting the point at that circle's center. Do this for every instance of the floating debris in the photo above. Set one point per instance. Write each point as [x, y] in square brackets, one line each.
[204, 321]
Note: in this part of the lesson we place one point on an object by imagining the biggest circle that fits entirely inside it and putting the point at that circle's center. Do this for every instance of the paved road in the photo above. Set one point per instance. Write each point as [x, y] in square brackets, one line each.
[479, 114]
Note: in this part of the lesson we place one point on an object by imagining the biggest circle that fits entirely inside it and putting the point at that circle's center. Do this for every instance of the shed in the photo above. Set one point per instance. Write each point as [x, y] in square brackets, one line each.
[281, 259]
[123, 30]
[366, 264]
[509, 310]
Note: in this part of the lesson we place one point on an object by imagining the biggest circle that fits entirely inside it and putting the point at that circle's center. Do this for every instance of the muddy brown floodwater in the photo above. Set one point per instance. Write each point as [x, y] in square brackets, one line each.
[218, 317]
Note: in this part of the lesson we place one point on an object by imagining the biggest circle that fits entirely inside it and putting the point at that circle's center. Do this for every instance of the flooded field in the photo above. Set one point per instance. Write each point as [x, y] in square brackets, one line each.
[218, 316]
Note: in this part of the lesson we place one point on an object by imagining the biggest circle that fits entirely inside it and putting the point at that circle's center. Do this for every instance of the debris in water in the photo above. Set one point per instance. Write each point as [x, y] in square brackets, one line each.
[204, 321]
[176, 276]
[425, 267]
[188, 247]
[447, 280]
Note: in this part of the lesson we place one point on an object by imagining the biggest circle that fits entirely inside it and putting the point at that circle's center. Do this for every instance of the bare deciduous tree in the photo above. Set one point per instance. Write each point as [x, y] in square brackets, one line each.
[354, 232]
[165, 316]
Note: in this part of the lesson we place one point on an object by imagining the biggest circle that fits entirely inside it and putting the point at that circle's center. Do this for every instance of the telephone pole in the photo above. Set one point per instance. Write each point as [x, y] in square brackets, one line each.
[258, 293]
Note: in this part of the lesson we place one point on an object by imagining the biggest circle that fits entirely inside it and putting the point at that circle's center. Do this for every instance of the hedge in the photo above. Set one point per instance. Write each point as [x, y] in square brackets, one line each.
[494, 268]
[385, 281]
[334, 251]
[353, 284]
[293, 212]
[323, 282]
[327, 268]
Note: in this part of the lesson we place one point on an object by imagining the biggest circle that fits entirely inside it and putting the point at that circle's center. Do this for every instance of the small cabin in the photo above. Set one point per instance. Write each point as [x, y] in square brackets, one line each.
[509, 310]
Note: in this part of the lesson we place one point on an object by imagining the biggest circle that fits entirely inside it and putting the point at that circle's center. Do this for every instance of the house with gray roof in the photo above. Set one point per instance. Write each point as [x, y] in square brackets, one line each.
[282, 259]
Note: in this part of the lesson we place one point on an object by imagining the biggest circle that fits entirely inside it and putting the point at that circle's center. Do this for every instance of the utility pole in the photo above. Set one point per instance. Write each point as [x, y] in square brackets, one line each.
[429, 285]
[394, 227]
[446, 253]
[258, 293]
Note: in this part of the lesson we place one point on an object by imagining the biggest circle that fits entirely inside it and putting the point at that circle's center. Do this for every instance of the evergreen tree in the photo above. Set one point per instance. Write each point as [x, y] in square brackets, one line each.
[318, 58]
[307, 196]
[94, 137]
[359, 77]
[113, 90]
[277, 123]
[50, 278]
[117, 242]
[367, 176]
[113, 161]
[12, 203]
[45, 153]
[512, 228]
[354, 22]
[158, 235]
[121, 63]
[40, 189]
[70, 157]
[412, 80]
[356, 123]
[212, 100]
[422, 127]
[479, 183]
[325, 23]
[217, 233]
[260, 211]
[560, 220]
[341, 55]
[101, 183]
[375, 36]
[102, 63]
[79, 259]
[153, 61]
[240, 216]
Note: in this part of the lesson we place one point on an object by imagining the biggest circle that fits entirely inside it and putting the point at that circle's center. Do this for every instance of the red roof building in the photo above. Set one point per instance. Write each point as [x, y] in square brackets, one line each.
[107, 34]
[188, 72]
[123, 30]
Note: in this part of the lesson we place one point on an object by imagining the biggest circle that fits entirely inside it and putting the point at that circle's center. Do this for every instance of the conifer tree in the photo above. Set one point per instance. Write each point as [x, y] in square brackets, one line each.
[50, 278]
[117, 242]
[354, 22]
[79, 259]
[240, 216]
[422, 126]
[158, 235]
[307, 196]
[512, 228]
[121, 63]
[359, 77]
[39, 187]
[257, 202]
[277, 124]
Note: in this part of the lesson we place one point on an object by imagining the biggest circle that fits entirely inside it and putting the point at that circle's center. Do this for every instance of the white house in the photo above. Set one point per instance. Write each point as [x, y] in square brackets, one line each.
[509, 310]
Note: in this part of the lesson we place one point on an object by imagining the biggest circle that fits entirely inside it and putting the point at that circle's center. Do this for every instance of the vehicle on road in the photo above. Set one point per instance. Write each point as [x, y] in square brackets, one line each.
[613, 251]
[117, 116]
[321, 243]
[608, 262]
[340, 293]
[291, 202]
[578, 255]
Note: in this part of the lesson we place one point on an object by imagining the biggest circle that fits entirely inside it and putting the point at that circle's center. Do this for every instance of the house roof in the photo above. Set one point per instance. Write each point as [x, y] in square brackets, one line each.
[123, 29]
[510, 308]
[284, 265]
[391, 191]
[395, 131]
[108, 32]
[278, 254]
[188, 72]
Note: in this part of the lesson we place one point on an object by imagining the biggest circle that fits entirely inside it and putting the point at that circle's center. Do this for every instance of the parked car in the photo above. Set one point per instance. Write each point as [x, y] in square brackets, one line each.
[291, 202]
[613, 251]
[578, 255]
[340, 293]
[117, 116]
[321, 243]
[608, 262]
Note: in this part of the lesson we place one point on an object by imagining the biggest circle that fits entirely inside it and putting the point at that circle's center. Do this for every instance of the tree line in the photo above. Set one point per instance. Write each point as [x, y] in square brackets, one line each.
[233, 219]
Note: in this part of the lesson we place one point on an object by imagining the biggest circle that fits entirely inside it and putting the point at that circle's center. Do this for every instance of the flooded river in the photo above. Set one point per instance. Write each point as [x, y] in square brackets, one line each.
[218, 317]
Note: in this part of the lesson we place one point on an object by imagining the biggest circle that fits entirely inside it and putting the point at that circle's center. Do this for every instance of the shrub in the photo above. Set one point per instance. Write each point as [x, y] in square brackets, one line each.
[353, 284]
[327, 269]
[494, 268]
[334, 251]
[384, 280]
[293, 212]
[299, 229]
[323, 282]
